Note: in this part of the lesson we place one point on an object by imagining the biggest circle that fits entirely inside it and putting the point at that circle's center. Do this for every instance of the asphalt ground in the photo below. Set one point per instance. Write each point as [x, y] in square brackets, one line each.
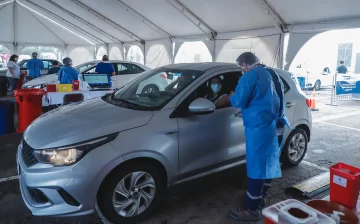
[334, 139]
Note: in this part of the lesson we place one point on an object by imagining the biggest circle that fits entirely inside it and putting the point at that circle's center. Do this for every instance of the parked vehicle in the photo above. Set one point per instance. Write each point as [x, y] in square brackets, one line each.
[125, 71]
[314, 78]
[136, 144]
[48, 63]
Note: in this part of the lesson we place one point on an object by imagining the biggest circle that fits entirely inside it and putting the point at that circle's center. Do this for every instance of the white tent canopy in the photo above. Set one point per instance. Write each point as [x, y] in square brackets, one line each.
[159, 27]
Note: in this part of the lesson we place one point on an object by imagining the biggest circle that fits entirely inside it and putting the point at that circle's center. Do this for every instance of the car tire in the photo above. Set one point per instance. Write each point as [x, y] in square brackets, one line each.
[107, 197]
[295, 148]
[317, 85]
[150, 89]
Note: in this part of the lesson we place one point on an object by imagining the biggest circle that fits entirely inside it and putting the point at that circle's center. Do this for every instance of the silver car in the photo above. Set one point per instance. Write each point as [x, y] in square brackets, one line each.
[119, 152]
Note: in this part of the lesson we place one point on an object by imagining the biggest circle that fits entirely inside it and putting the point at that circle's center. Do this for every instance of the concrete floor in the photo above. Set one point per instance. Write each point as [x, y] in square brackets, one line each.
[208, 200]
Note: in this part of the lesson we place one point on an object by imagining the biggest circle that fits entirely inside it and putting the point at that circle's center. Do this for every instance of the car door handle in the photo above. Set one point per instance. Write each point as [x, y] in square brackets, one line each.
[172, 132]
[238, 114]
[289, 104]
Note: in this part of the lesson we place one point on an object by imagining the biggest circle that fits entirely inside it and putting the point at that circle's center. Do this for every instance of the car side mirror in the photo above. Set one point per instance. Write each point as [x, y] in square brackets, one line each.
[202, 106]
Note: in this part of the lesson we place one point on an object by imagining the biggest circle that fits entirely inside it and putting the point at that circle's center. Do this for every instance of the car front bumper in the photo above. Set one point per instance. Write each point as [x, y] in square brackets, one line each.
[67, 190]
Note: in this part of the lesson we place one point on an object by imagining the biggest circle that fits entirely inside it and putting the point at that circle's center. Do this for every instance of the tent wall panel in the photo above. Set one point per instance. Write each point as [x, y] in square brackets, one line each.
[296, 42]
[81, 54]
[158, 53]
[116, 52]
[266, 48]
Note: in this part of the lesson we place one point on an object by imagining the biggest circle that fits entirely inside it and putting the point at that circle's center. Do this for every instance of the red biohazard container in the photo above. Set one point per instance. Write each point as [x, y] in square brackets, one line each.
[75, 84]
[344, 185]
[21, 80]
[29, 106]
[50, 88]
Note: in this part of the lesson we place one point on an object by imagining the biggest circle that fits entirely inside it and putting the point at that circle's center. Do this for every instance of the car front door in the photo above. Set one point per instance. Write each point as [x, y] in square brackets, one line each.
[210, 141]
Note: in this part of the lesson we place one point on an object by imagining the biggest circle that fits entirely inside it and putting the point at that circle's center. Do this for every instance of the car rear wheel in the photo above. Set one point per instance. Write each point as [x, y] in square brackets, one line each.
[150, 89]
[294, 148]
[130, 194]
[317, 85]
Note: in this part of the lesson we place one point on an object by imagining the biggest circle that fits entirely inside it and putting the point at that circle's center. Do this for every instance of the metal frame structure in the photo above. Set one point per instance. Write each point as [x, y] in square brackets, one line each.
[14, 26]
[193, 18]
[100, 31]
[275, 17]
[109, 21]
[46, 27]
[142, 18]
[98, 40]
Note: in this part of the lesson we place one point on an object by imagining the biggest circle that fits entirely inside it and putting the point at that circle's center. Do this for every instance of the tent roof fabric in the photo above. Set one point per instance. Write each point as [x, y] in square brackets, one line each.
[121, 21]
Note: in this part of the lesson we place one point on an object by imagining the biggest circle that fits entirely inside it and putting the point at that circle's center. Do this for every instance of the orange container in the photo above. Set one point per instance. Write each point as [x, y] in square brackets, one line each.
[344, 185]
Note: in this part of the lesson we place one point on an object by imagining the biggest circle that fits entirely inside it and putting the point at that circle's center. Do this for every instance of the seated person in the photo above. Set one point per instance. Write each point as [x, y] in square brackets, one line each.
[217, 94]
[67, 74]
[54, 69]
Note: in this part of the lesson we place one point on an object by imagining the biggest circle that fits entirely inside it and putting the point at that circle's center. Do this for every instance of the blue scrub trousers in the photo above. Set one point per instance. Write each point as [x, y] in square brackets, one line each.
[13, 83]
[257, 191]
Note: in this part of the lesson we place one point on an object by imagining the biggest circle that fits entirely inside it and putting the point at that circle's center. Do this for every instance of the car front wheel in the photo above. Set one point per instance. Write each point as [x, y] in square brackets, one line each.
[130, 194]
[295, 148]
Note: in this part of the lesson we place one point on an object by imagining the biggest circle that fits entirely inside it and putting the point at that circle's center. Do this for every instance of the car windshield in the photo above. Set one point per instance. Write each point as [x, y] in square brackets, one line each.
[154, 90]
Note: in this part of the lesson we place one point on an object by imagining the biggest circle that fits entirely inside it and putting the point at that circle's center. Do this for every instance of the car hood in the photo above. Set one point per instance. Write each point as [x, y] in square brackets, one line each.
[76, 123]
[53, 78]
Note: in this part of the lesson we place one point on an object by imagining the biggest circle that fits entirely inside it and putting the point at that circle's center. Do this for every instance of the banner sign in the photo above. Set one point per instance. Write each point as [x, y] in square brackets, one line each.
[348, 87]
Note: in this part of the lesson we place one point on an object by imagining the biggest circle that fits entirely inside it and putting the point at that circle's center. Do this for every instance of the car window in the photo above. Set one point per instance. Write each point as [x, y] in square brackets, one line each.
[154, 90]
[23, 65]
[92, 70]
[126, 69]
[286, 85]
[82, 68]
[46, 64]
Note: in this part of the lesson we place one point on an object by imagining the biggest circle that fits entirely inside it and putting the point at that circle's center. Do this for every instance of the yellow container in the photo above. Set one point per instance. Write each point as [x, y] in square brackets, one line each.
[64, 87]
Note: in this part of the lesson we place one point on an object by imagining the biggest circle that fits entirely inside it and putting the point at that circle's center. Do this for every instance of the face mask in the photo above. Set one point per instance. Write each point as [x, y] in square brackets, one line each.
[215, 87]
[16, 59]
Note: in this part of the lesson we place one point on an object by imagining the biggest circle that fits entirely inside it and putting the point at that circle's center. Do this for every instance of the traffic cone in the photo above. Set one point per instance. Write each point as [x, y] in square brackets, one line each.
[313, 101]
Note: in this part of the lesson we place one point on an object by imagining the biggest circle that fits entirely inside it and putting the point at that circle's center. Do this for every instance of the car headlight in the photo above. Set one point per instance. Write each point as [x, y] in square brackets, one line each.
[68, 155]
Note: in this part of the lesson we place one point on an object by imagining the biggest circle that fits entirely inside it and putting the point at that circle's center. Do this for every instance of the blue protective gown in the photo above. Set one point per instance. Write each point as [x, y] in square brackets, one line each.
[35, 67]
[259, 102]
[67, 74]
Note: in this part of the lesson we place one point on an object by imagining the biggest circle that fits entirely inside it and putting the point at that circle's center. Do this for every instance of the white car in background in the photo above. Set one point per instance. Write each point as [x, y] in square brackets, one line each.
[125, 72]
[314, 77]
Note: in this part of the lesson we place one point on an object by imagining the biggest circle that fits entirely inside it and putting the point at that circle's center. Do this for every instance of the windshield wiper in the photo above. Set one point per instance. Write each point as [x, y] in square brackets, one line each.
[125, 101]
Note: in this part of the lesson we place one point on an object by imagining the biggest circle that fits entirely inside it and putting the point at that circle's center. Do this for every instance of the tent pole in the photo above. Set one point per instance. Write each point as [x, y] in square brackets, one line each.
[14, 26]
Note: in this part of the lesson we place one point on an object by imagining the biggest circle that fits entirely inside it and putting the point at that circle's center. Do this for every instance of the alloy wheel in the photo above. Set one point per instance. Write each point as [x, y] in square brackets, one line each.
[297, 147]
[134, 194]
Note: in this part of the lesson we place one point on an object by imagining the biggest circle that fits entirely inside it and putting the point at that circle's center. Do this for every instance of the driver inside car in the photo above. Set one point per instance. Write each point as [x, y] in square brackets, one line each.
[216, 93]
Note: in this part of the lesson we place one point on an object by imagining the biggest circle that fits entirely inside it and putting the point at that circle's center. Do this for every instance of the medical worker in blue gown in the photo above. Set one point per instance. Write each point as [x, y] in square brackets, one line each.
[262, 108]
[67, 74]
[35, 66]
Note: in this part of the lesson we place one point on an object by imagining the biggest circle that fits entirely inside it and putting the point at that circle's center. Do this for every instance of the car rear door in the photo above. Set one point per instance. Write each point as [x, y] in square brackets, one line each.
[290, 94]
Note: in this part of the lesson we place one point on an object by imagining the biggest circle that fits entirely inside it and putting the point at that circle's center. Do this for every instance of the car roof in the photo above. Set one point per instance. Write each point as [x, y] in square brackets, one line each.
[116, 61]
[201, 66]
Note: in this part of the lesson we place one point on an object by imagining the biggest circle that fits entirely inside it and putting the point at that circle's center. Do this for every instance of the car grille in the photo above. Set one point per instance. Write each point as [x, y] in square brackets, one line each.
[28, 155]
